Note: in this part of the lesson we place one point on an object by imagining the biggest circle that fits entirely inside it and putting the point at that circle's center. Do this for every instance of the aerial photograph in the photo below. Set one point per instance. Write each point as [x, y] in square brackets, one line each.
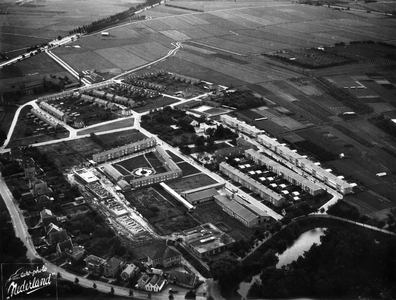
[198, 149]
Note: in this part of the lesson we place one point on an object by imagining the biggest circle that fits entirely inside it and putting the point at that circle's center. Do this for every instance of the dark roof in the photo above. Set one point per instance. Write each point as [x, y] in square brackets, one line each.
[164, 252]
[58, 236]
[112, 263]
[182, 278]
[65, 245]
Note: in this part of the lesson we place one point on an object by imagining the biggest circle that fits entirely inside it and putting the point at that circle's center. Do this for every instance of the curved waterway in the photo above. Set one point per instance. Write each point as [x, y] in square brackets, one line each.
[302, 244]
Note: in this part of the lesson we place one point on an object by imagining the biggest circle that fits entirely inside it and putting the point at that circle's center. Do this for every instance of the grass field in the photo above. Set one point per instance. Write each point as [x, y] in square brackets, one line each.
[191, 182]
[111, 126]
[188, 169]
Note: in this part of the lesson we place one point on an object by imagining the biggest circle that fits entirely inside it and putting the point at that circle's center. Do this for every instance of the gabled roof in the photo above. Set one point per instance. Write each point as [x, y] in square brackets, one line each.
[182, 277]
[164, 252]
[58, 236]
[113, 263]
[43, 199]
[46, 213]
[130, 269]
[52, 228]
[154, 280]
[65, 245]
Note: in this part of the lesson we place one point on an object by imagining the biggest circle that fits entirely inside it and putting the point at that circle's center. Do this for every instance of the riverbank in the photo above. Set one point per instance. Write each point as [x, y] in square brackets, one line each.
[304, 224]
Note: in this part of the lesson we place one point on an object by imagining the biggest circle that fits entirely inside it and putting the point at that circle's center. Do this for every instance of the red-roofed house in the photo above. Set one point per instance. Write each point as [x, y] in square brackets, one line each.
[164, 256]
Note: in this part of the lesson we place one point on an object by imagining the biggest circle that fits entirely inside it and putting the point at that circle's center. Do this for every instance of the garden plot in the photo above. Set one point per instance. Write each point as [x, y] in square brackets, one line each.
[121, 58]
[160, 212]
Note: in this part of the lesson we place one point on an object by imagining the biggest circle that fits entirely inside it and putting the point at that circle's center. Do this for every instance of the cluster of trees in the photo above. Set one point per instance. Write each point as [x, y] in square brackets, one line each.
[343, 96]
[346, 263]
[384, 124]
[318, 59]
[239, 99]
[12, 249]
[319, 152]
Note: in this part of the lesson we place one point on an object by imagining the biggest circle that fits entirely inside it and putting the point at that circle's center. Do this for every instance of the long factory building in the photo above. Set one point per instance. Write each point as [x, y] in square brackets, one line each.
[305, 164]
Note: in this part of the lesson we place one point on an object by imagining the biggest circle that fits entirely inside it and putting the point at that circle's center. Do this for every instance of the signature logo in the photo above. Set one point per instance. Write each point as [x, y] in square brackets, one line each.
[27, 280]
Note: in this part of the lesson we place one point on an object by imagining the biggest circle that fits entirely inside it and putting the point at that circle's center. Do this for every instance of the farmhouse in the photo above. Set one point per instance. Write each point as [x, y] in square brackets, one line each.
[305, 164]
[123, 150]
[206, 240]
[247, 215]
[252, 184]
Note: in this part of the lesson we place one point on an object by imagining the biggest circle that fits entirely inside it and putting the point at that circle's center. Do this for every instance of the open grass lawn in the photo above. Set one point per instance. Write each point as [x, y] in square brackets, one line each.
[133, 163]
[110, 126]
[191, 182]
[174, 157]
[155, 103]
[120, 138]
[188, 169]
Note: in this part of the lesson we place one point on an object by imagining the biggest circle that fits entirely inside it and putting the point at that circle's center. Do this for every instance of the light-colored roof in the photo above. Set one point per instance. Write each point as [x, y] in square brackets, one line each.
[237, 208]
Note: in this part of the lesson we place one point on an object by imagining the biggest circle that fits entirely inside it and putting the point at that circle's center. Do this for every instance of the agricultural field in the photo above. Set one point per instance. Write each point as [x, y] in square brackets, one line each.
[238, 33]
[42, 21]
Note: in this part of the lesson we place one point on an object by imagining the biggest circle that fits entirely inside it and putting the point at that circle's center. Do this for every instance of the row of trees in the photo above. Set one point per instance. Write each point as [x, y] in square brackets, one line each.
[343, 96]
[128, 14]
[384, 124]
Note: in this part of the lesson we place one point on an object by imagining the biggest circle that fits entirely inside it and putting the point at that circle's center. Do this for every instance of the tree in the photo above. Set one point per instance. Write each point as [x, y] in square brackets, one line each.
[76, 281]
[130, 293]
[227, 270]
[94, 285]
[190, 295]
[112, 290]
